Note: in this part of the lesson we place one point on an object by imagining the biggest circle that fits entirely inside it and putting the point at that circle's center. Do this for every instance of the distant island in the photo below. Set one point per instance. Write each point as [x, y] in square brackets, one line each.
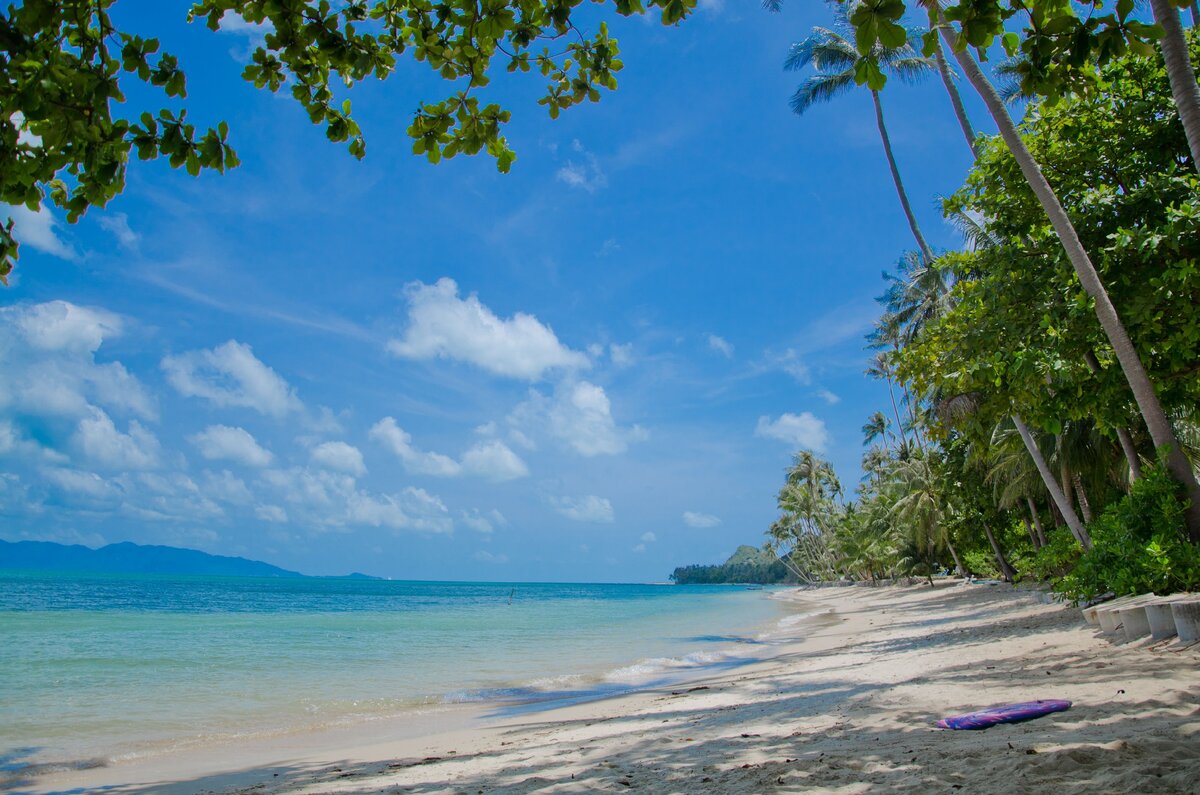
[130, 558]
[747, 565]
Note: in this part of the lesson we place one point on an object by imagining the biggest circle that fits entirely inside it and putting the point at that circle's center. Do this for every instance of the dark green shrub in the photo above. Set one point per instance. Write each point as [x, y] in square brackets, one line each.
[1139, 545]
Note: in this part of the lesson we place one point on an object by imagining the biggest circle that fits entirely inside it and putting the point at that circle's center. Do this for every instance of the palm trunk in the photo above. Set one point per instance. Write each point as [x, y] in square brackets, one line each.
[896, 410]
[958, 565]
[1195, 14]
[1037, 521]
[912, 417]
[1085, 506]
[926, 252]
[1068, 482]
[1157, 423]
[1033, 539]
[1131, 455]
[1179, 71]
[1056, 492]
[1006, 571]
[1123, 435]
[960, 112]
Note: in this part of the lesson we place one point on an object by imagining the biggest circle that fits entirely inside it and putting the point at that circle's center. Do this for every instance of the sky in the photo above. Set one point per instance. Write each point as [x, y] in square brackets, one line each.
[594, 368]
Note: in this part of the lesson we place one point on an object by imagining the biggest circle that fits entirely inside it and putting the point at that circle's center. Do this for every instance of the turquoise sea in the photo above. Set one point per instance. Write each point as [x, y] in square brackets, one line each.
[97, 668]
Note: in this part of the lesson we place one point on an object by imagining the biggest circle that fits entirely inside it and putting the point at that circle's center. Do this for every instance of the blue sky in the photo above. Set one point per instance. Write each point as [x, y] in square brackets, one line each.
[595, 367]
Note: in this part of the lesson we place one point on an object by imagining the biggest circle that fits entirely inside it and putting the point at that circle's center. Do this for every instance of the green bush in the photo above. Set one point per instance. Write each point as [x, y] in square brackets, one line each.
[1139, 545]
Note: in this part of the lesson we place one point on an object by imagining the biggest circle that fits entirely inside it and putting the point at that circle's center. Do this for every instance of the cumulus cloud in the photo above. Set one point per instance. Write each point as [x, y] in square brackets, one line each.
[720, 345]
[48, 361]
[226, 487]
[38, 229]
[648, 538]
[490, 459]
[442, 325]
[231, 375]
[340, 457]
[332, 500]
[799, 430]
[584, 509]
[79, 482]
[223, 443]
[700, 520]
[579, 414]
[98, 438]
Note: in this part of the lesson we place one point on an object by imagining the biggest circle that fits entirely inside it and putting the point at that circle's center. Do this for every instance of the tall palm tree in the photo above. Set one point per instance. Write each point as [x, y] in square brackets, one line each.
[1157, 423]
[837, 63]
[1182, 77]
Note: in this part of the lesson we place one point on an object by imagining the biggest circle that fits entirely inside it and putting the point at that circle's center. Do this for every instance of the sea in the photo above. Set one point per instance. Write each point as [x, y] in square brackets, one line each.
[96, 669]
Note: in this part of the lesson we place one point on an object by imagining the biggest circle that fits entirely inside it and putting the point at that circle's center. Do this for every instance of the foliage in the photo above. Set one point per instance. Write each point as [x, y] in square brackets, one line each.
[63, 132]
[1140, 545]
[746, 565]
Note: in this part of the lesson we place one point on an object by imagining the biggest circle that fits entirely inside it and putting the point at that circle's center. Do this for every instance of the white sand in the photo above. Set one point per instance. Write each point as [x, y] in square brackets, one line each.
[848, 709]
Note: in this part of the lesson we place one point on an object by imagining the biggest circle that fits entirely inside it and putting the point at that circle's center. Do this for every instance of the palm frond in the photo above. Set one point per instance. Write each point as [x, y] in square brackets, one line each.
[821, 88]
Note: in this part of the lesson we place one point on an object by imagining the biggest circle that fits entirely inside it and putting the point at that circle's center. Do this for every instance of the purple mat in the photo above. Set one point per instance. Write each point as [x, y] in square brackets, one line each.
[1005, 713]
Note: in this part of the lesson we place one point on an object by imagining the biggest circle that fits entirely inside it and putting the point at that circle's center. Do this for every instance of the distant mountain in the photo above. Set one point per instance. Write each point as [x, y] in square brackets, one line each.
[746, 565]
[128, 558]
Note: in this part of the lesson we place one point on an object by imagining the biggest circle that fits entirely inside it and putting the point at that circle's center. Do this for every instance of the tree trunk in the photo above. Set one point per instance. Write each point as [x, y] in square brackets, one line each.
[1157, 423]
[1056, 492]
[1068, 482]
[1196, 13]
[1123, 435]
[1184, 88]
[955, 98]
[1033, 539]
[926, 252]
[1006, 571]
[896, 412]
[958, 565]
[1037, 522]
[1131, 456]
[1085, 506]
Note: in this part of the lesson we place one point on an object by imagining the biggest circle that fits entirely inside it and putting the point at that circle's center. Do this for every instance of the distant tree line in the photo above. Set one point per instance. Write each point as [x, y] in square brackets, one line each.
[748, 565]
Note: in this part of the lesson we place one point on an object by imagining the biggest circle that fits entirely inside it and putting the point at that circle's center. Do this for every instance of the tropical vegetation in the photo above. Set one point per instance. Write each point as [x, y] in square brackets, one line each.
[1042, 419]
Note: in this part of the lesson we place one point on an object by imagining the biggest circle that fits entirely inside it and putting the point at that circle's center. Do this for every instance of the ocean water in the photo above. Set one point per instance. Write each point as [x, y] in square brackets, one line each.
[99, 668]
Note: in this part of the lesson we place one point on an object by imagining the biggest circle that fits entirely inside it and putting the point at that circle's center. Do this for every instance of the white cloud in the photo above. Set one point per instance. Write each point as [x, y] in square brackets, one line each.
[483, 556]
[649, 538]
[488, 459]
[37, 229]
[63, 326]
[478, 521]
[800, 430]
[640, 548]
[588, 175]
[790, 363]
[584, 509]
[828, 397]
[341, 457]
[396, 439]
[78, 482]
[118, 225]
[98, 438]
[326, 499]
[271, 513]
[700, 520]
[223, 443]
[442, 325]
[230, 375]
[721, 345]
[579, 415]
[621, 355]
[226, 487]
[495, 461]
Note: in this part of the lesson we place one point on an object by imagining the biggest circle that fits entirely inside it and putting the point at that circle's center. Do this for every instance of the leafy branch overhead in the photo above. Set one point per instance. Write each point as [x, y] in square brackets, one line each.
[62, 134]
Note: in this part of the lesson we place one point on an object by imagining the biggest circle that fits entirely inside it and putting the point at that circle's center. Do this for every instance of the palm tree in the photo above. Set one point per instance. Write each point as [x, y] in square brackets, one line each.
[837, 64]
[1182, 77]
[1159, 426]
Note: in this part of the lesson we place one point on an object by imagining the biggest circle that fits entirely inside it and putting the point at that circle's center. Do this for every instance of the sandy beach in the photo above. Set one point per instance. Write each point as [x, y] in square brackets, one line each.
[847, 706]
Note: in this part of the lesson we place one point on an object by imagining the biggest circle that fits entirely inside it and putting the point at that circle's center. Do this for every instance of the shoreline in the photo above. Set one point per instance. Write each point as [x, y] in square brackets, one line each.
[849, 707]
